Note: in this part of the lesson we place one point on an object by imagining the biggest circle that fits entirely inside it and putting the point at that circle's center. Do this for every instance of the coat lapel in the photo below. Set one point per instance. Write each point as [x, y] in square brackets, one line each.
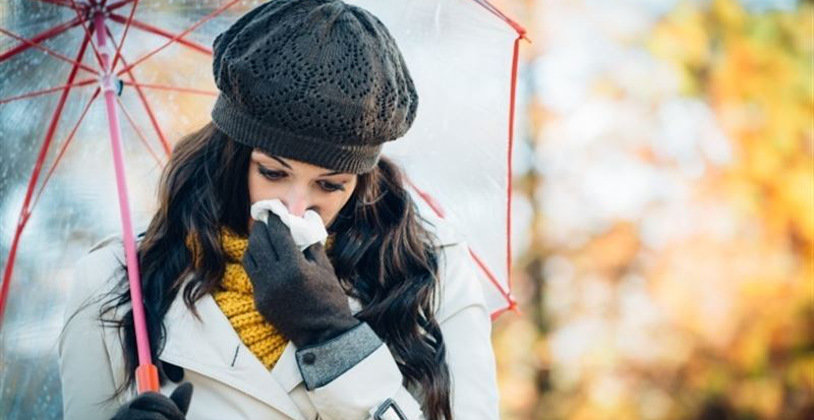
[286, 371]
[211, 347]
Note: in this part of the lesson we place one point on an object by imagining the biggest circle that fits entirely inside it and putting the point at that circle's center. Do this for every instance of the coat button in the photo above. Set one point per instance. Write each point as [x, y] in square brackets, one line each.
[309, 358]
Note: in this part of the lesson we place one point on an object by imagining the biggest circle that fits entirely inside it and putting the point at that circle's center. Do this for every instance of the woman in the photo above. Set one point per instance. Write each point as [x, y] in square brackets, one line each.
[383, 321]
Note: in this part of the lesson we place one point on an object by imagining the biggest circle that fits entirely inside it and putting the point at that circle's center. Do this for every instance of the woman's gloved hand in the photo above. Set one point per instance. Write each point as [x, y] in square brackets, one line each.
[156, 406]
[297, 292]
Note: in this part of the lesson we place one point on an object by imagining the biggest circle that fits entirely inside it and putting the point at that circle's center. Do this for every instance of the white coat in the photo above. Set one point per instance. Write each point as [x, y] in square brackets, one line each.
[231, 383]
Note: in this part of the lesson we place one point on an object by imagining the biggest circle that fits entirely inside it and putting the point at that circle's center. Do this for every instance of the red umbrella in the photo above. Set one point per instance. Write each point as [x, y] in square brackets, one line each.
[65, 30]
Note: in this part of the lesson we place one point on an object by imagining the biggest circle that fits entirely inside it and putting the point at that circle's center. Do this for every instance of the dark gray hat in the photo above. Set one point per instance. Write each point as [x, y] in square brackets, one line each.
[319, 81]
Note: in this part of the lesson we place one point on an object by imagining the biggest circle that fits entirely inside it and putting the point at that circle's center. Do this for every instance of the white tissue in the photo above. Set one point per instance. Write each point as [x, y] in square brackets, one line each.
[306, 230]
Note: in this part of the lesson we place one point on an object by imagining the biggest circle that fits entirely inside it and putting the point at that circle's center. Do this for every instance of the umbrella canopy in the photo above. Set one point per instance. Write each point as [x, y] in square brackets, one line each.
[89, 115]
[462, 59]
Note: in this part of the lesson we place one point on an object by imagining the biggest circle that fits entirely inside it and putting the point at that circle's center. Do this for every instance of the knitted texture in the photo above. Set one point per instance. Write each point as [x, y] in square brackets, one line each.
[319, 81]
[236, 300]
[234, 295]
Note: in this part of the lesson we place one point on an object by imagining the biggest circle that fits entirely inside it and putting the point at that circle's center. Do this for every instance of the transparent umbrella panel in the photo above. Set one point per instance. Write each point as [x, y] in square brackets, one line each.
[74, 203]
[54, 129]
[460, 59]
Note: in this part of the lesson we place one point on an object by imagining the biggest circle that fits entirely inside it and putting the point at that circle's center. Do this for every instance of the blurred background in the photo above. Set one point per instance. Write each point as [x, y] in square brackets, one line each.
[663, 222]
[664, 212]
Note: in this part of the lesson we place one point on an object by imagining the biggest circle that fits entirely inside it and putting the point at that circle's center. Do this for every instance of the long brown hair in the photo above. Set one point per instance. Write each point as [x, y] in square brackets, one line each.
[382, 255]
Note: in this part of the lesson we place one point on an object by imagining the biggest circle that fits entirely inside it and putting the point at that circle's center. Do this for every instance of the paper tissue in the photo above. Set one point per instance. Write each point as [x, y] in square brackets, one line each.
[306, 230]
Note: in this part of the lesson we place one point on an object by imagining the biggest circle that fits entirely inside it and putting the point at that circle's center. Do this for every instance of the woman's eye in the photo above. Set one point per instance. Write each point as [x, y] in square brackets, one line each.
[331, 187]
[273, 175]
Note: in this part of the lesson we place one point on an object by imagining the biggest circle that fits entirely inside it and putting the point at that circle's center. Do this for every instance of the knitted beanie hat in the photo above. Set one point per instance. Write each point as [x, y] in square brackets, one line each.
[319, 81]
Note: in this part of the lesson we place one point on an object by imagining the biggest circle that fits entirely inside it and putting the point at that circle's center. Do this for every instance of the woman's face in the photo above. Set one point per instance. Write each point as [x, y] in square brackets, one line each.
[299, 185]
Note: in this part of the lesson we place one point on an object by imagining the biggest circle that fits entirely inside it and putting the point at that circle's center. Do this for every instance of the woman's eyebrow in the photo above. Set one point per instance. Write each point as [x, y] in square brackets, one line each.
[281, 162]
[289, 167]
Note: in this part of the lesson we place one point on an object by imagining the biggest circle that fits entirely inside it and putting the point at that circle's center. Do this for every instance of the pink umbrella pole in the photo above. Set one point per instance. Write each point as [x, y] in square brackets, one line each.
[146, 373]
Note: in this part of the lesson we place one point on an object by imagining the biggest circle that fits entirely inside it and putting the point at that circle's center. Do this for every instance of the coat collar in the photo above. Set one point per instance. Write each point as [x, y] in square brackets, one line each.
[211, 347]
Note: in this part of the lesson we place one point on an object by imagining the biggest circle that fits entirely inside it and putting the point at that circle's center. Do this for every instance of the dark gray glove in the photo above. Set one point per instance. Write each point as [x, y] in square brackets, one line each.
[297, 292]
[155, 406]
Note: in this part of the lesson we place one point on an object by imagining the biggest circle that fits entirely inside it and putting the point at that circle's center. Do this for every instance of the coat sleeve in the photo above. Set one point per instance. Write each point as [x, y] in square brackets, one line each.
[84, 364]
[371, 387]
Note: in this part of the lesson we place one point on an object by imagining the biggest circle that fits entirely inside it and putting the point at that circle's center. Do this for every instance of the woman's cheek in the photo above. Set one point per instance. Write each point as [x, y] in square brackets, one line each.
[259, 189]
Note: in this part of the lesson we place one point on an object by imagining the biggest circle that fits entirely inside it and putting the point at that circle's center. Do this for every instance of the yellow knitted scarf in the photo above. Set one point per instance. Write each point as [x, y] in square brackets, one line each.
[234, 296]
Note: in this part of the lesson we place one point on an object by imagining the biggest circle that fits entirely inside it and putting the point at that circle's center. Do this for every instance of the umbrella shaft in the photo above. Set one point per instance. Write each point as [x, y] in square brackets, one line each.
[142, 340]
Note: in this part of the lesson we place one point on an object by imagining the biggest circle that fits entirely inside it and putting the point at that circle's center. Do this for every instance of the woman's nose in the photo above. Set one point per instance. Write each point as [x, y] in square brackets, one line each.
[296, 203]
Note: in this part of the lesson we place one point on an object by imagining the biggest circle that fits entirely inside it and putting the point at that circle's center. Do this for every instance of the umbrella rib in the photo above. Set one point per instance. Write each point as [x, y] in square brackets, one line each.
[25, 211]
[521, 34]
[173, 88]
[48, 90]
[89, 36]
[430, 200]
[512, 304]
[489, 275]
[50, 33]
[49, 51]
[497, 12]
[143, 98]
[512, 307]
[54, 121]
[64, 147]
[158, 31]
[124, 34]
[509, 171]
[178, 36]
[436, 207]
[138, 131]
